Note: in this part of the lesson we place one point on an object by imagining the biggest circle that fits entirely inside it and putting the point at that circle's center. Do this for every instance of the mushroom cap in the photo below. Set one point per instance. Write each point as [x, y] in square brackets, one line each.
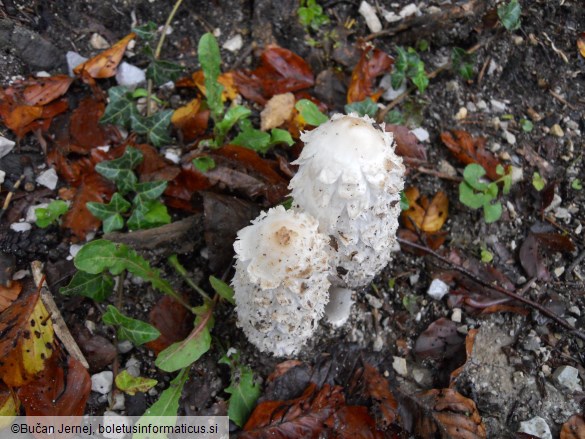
[281, 280]
[350, 179]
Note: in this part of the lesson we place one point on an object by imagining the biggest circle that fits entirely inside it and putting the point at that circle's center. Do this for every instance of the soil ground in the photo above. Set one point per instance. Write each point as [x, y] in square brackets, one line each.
[535, 73]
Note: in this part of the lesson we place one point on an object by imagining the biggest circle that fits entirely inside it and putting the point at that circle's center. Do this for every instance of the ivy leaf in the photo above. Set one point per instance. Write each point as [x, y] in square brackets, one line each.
[310, 112]
[150, 190]
[210, 60]
[110, 213]
[137, 331]
[155, 127]
[462, 62]
[509, 15]
[253, 139]
[204, 164]
[161, 71]
[243, 389]
[278, 136]
[50, 214]
[120, 108]
[146, 31]
[95, 286]
[223, 289]
[120, 170]
[394, 117]
[148, 214]
[420, 78]
[362, 108]
[130, 384]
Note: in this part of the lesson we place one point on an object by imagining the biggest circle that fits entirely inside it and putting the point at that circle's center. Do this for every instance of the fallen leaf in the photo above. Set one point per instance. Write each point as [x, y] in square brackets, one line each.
[85, 130]
[282, 368]
[226, 79]
[425, 216]
[531, 259]
[41, 91]
[105, 64]
[280, 71]
[556, 242]
[9, 294]
[373, 63]
[574, 428]
[191, 120]
[446, 413]
[468, 149]
[98, 351]
[172, 320]
[407, 145]
[61, 389]
[440, 340]
[9, 406]
[469, 342]
[154, 167]
[354, 422]
[581, 44]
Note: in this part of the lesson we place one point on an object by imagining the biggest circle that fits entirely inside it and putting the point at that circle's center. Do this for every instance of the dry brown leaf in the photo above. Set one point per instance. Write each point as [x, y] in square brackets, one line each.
[372, 64]
[105, 64]
[191, 120]
[226, 79]
[407, 145]
[574, 428]
[440, 340]
[9, 294]
[425, 216]
[581, 44]
[469, 342]
[41, 91]
[531, 258]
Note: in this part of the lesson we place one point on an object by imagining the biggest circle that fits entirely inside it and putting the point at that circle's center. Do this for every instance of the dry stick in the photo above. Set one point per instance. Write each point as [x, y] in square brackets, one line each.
[10, 195]
[497, 288]
[159, 49]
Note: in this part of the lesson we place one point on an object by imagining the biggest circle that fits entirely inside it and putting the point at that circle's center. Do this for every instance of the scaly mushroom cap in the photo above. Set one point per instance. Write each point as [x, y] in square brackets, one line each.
[350, 179]
[281, 280]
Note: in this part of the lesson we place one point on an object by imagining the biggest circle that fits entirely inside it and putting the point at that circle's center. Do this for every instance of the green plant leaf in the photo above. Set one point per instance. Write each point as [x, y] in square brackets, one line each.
[394, 117]
[50, 214]
[137, 331]
[462, 62]
[253, 139]
[150, 190]
[101, 255]
[576, 184]
[492, 212]
[110, 213]
[365, 107]
[147, 31]
[486, 256]
[278, 136]
[527, 126]
[469, 197]
[130, 384]
[509, 14]
[233, 116]
[161, 71]
[538, 182]
[164, 410]
[120, 108]
[210, 60]
[95, 286]
[404, 204]
[204, 164]
[155, 127]
[311, 15]
[243, 389]
[310, 112]
[472, 175]
[148, 214]
[120, 170]
[223, 289]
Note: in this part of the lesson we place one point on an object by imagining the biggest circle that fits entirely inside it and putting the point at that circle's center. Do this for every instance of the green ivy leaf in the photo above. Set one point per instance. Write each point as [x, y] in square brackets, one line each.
[365, 107]
[50, 214]
[95, 286]
[146, 32]
[148, 214]
[210, 60]
[509, 15]
[137, 331]
[204, 164]
[253, 139]
[120, 108]
[394, 117]
[462, 62]
[397, 79]
[110, 213]
[155, 127]
[310, 112]
[161, 71]
[223, 289]
[130, 384]
[150, 190]
[120, 170]
[243, 389]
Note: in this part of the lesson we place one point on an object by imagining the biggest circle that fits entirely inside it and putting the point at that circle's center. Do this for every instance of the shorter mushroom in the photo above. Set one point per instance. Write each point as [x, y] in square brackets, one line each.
[281, 280]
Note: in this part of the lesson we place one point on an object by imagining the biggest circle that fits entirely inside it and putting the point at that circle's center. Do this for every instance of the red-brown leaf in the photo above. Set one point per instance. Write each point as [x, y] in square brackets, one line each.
[556, 242]
[469, 342]
[9, 294]
[372, 63]
[41, 91]
[438, 341]
[172, 320]
[407, 145]
[84, 128]
[354, 422]
[154, 167]
[574, 428]
[531, 258]
[105, 64]
[468, 149]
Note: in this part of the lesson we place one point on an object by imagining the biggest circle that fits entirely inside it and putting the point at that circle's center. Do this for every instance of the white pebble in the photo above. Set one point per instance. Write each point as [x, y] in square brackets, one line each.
[456, 315]
[421, 134]
[536, 427]
[73, 60]
[369, 13]
[116, 421]
[20, 227]
[2, 176]
[125, 346]
[498, 106]
[172, 155]
[438, 289]
[74, 249]
[5, 146]
[102, 382]
[117, 401]
[98, 42]
[234, 43]
[338, 308]
[408, 10]
[130, 75]
[399, 365]
[48, 179]
[568, 377]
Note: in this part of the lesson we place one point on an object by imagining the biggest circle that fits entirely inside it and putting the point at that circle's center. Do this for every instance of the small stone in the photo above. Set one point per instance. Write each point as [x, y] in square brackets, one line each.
[98, 42]
[562, 213]
[74, 249]
[338, 308]
[546, 370]
[456, 315]
[20, 227]
[133, 367]
[559, 271]
[117, 401]
[399, 365]
[517, 174]
[498, 106]
[90, 325]
[48, 179]
[73, 60]
[446, 168]
[378, 344]
[392, 93]
[575, 310]
[518, 40]
[509, 137]
[125, 346]
[171, 154]
[130, 76]
[2, 176]
[367, 11]
[536, 427]
[234, 44]
[421, 134]
[391, 17]
[374, 301]
[413, 278]
[481, 105]
[102, 382]
[471, 106]
[556, 130]
[5, 146]
[422, 377]
[463, 329]
[568, 377]
[461, 114]
[408, 10]
[438, 289]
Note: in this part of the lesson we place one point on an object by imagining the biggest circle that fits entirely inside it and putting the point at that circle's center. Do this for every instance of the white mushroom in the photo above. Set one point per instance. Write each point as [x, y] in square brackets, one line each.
[281, 280]
[350, 179]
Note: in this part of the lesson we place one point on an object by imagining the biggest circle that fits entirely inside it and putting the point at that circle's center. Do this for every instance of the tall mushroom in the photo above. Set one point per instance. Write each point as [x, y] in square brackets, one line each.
[350, 179]
[281, 280]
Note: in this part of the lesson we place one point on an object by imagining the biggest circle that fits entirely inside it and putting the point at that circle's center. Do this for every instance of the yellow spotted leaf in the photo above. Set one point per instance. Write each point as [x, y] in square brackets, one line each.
[27, 338]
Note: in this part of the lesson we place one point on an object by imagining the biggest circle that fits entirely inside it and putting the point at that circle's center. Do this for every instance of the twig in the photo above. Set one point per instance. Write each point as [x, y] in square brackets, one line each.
[562, 100]
[497, 288]
[439, 174]
[10, 195]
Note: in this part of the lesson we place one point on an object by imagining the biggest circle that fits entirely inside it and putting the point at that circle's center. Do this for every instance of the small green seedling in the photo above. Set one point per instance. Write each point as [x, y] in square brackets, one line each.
[576, 184]
[526, 125]
[463, 62]
[475, 193]
[538, 182]
[486, 256]
[311, 15]
[203, 164]
[50, 214]
[244, 389]
[408, 65]
[509, 14]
